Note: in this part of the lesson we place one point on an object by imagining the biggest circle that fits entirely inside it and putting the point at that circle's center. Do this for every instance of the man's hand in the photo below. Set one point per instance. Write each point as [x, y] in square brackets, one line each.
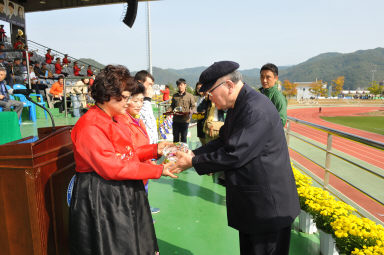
[2, 97]
[184, 161]
[166, 169]
[162, 145]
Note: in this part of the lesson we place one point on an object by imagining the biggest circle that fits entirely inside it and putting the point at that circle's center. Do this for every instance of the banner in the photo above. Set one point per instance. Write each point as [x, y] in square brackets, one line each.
[12, 13]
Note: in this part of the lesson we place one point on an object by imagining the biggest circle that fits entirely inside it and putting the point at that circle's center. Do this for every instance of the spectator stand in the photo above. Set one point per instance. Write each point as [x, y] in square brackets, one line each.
[37, 47]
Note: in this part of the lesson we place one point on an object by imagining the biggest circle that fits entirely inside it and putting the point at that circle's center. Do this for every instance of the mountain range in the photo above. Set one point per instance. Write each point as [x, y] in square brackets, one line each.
[358, 68]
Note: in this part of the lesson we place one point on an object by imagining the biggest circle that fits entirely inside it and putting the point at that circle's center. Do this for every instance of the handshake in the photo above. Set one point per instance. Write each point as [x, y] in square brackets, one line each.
[177, 158]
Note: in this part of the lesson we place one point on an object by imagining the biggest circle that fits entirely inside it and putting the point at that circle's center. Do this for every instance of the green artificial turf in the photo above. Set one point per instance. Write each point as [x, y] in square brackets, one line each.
[373, 124]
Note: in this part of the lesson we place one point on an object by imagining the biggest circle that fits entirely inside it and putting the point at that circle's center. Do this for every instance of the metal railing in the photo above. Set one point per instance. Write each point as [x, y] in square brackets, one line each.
[39, 47]
[162, 107]
[326, 166]
[66, 92]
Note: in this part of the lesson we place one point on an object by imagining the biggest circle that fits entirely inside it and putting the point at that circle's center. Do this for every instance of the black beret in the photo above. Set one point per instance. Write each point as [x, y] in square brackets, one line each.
[210, 75]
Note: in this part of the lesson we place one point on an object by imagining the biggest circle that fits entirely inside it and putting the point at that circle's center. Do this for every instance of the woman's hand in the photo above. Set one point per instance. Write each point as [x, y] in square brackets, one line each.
[166, 171]
[162, 145]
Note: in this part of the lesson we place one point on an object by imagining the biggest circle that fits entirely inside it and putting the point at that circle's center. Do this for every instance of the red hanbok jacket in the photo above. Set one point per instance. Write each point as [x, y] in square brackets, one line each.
[137, 131]
[106, 147]
[48, 58]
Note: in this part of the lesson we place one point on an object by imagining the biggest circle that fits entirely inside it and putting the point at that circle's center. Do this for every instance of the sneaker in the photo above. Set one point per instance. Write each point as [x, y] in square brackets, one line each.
[155, 210]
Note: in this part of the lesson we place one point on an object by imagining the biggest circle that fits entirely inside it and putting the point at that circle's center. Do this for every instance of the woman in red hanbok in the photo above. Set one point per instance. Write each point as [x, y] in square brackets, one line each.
[109, 211]
[132, 119]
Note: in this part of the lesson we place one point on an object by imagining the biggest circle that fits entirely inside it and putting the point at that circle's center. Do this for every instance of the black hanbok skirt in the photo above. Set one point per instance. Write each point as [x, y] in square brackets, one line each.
[110, 217]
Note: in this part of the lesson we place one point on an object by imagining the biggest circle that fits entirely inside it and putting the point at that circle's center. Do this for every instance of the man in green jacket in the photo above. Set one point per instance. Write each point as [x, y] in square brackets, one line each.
[269, 75]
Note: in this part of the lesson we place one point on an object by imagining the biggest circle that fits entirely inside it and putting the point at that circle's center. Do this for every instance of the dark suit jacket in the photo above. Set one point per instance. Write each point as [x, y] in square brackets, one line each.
[252, 151]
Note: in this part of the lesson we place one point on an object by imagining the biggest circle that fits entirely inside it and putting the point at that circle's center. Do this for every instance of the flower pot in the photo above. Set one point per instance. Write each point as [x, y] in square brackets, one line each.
[306, 223]
[327, 244]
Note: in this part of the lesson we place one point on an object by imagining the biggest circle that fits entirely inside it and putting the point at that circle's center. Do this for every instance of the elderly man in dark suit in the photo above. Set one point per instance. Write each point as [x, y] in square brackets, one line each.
[262, 199]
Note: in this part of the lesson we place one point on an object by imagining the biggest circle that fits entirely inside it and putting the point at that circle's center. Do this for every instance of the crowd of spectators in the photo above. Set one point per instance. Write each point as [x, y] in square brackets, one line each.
[45, 73]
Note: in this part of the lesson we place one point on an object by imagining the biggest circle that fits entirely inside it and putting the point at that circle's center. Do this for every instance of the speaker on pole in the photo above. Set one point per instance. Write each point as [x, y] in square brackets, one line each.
[130, 15]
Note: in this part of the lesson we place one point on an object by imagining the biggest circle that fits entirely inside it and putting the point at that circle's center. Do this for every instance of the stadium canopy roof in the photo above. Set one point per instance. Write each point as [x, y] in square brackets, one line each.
[48, 5]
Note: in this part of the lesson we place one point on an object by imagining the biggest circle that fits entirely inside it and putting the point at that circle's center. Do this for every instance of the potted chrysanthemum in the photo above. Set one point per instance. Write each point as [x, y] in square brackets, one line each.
[356, 235]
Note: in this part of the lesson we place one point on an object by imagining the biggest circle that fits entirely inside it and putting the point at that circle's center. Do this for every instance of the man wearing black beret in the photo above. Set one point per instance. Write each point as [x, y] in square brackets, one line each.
[262, 199]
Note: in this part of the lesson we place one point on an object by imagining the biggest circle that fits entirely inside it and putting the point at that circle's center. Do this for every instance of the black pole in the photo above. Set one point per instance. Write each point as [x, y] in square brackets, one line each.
[45, 109]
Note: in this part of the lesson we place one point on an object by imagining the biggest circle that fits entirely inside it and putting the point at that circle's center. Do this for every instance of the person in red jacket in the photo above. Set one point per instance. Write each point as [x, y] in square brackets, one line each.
[66, 61]
[18, 45]
[2, 33]
[89, 71]
[76, 69]
[132, 119]
[30, 54]
[165, 93]
[109, 207]
[59, 67]
[48, 57]
[91, 80]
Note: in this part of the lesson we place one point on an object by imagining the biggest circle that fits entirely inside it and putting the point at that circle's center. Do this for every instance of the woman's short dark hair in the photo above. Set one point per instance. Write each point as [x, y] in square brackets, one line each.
[140, 89]
[110, 82]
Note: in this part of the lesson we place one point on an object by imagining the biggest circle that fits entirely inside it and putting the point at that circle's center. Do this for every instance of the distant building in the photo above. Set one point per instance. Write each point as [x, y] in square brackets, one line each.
[303, 90]
[354, 92]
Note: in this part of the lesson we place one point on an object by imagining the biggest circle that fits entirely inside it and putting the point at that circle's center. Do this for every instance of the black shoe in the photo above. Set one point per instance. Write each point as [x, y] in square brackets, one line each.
[221, 181]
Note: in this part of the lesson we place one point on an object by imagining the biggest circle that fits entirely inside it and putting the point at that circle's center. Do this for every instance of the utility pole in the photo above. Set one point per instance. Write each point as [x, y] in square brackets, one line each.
[373, 73]
[149, 38]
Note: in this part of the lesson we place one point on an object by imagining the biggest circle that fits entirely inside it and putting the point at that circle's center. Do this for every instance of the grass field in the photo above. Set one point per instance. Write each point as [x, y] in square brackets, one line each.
[373, 124]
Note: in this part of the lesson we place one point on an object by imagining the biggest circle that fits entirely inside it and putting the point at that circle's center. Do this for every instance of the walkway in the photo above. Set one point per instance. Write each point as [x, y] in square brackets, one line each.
[192, 218]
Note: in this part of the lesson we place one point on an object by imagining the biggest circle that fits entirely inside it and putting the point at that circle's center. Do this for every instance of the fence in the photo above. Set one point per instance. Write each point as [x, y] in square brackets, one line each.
[356, 178]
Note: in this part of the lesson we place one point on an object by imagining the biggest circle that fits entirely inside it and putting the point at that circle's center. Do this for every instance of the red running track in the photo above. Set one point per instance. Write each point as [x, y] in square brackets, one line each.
[360, 151]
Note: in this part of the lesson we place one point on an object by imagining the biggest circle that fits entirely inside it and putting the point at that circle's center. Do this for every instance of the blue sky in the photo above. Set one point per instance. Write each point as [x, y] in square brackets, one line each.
[190, 33]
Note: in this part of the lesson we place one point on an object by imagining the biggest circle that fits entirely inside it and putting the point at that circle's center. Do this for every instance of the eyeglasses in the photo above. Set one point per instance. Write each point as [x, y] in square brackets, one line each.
[210, 92]
[126, 98]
